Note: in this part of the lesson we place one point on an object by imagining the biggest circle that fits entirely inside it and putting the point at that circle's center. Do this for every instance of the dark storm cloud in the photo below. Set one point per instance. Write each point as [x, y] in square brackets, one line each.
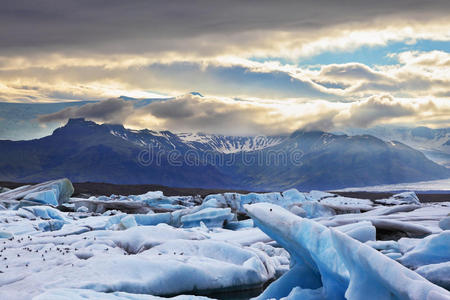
[141, 26]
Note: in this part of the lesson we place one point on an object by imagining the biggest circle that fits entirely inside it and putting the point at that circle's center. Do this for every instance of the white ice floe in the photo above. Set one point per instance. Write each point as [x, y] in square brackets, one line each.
[160, 256]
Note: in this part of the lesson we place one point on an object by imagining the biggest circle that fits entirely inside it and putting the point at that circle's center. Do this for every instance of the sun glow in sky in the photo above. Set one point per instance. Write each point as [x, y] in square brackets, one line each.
[263, 67]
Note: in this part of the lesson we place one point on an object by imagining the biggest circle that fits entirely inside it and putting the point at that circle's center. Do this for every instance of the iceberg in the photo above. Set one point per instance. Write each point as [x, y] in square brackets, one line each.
[51, 225]
[125, 221]
[402, 198]
[347, 205]
[43, 212]
[362, 231]
[314, 210]
[444, 224]
[294, 196]
[55, 192]
[101, 206]
[211, 217]
[437, 273]
[431, 250]
[347, 268]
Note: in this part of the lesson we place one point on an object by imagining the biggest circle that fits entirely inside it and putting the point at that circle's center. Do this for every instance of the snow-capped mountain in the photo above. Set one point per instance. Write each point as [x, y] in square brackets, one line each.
[196, 141]
[434, 143]
[229, 144]
[85, 151]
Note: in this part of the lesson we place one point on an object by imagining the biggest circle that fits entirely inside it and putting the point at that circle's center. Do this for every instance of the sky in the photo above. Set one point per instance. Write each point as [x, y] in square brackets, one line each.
[257, 67]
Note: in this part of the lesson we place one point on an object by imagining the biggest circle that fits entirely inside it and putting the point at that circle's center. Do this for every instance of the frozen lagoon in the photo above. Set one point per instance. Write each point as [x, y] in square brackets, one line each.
[306, 245]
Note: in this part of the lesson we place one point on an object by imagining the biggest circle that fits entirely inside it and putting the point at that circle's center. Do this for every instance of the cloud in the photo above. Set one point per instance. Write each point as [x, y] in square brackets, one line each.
[350, 71]
[192, 113]
[85, 50]
[435, 59]
[111, 111]
[372, 110]
[205, 28]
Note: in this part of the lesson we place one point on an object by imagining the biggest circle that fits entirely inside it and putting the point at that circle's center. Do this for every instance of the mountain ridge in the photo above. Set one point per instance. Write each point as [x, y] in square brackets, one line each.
[85, 151]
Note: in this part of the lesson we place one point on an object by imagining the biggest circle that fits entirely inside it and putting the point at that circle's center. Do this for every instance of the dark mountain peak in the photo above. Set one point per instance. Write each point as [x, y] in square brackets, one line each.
[76, 126]
[78, 121]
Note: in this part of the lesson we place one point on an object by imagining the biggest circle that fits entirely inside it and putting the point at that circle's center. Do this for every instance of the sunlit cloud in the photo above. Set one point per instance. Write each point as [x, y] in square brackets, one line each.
[231, 52]
[191, 113]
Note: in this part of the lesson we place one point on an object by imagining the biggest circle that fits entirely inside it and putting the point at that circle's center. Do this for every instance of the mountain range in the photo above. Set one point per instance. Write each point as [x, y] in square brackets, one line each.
[85, 151]
[434, 143]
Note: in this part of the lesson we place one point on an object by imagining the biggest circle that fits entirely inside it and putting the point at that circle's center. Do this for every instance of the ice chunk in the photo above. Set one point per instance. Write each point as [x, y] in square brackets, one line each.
[347, 267]
[51, 225]
[318, 195]
[45, 197]
[402, 198]
[43, 212]
[384, 211]
[124, 221]
[244, 237]
[294, 196]
[211, 217]
[361, 231]
[152, 219]
[53, 192]
[437, 273]
[384, 245]
[237, 225]
[347, 204]
[128, 222]
[5, 235]
[299, 276]
[82, 209]
[296, 210]
[236, 201]
[314, 210]
[149, 196]
[4, 189]
[444, 224]
[213, 202]
[298, 293]
[140, 238]
[99, 206]
[431, 250]
[174, 267]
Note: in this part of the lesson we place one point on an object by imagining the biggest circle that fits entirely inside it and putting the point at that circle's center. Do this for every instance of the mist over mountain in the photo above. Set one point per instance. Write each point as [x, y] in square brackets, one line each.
[85, 151]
